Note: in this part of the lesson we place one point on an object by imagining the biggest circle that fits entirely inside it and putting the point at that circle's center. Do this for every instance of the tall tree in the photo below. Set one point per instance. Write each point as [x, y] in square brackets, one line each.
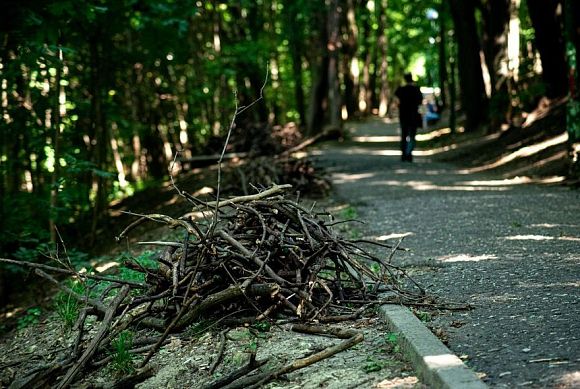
[334, 98]
[381, 7]
[496, 16]
[473, 98]
[547, 22]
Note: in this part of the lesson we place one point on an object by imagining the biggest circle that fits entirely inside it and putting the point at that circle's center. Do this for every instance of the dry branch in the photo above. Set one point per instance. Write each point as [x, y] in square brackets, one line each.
[93, 346]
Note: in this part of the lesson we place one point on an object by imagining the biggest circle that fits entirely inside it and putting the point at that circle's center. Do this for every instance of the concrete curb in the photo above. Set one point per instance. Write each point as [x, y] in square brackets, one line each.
[435, 364]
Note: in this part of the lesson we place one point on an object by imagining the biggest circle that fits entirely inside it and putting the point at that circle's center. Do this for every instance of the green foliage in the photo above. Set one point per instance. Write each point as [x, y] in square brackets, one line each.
[122, 359]
[252, 346]
[349, 213]
[424, 316]
[392, 341]
[66, 306]
[31, 317]
[46, 252]
[145, 259]
[372, 365]
[262, 326]
[392, 337]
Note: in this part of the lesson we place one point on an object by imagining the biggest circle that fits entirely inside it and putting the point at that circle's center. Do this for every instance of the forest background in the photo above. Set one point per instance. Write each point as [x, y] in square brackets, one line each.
[97, 97]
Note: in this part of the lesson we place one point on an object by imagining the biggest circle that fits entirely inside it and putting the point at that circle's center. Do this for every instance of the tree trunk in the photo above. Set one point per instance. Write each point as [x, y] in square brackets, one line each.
[381, 8]
[54, 184]
[349, 60]
[547, 22]
[295, 39]
[443, 85]
[334, 100]
[473, 97]
[318, 96]
[496, 16]
[571, 11]
[364, 92]
[100, 131]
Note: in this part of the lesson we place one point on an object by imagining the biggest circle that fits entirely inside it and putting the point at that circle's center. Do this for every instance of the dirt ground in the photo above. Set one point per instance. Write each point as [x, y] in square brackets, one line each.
[185, 361]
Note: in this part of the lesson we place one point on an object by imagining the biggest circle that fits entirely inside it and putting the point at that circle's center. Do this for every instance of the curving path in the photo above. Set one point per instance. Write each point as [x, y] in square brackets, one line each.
[509, 248]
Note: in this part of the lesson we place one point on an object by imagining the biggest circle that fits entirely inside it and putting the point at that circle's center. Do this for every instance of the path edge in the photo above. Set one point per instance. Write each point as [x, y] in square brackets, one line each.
[434, 363]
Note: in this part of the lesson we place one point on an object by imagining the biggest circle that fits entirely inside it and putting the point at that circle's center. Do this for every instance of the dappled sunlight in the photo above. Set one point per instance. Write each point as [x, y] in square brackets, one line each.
[394, 236]
[465, 258]
[398, 383]
[553, 158]
[376, 139]
[436, 150]
[433, 134]
[520, 153]
[551, 225]
[12, 313]
[442, 361]
[542, 237]
[341, 178]
[570, 380]
[572, 284]
[515, 181]
[106, 266]
[429, 185]
[529, 237]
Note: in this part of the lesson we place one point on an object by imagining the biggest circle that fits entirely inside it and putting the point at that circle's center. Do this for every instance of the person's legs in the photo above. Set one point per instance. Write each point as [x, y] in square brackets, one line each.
[411, 143]
[404, 141]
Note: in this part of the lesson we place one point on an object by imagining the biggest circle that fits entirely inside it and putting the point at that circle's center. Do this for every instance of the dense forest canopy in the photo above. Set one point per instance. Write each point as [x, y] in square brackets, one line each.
[98, 96]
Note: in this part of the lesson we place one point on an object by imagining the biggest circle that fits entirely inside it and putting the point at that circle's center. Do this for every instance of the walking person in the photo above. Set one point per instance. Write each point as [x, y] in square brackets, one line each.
[410, 98]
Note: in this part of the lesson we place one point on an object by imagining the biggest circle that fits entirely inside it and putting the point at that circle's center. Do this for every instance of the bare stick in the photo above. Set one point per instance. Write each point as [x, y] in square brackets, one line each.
[99, 306]
[258, 380]
[70, 272]
[252, 365]
[244, 199]
[94, 345]
[237, 112]
[220, 354]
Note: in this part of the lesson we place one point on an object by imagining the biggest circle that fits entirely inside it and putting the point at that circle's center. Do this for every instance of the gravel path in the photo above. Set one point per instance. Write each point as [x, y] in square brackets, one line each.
[510, 249]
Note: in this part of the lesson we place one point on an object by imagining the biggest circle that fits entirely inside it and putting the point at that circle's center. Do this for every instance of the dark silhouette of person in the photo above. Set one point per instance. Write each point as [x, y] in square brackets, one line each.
[410, 98]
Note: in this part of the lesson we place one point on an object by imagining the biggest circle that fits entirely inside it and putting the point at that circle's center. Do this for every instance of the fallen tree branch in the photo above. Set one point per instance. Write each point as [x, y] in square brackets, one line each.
[94, 345]
[352, 338]
[33, 265]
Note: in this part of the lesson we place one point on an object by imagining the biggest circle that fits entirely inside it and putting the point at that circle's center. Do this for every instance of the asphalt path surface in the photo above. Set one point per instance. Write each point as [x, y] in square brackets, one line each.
[508, 247]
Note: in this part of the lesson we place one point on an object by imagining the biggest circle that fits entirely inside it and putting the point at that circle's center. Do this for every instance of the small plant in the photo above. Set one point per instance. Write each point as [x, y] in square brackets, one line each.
[349, 213]
[516, 224]
[122, 358]
[66, 306]
[392, 339]
[144, 259]
[262, 326]
[423, 316]
[252, 346]
[372, 365]
[32, 317]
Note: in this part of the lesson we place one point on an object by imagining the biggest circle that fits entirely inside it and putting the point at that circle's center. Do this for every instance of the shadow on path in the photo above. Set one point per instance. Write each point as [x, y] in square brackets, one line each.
[510, 248]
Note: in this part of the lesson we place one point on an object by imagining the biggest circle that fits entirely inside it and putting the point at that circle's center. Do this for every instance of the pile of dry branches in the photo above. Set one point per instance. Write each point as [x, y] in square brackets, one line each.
[298, 172]
[254, 257]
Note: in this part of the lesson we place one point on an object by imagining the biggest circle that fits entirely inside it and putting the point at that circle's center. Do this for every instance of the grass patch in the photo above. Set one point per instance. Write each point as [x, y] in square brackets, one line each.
[122, 361]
